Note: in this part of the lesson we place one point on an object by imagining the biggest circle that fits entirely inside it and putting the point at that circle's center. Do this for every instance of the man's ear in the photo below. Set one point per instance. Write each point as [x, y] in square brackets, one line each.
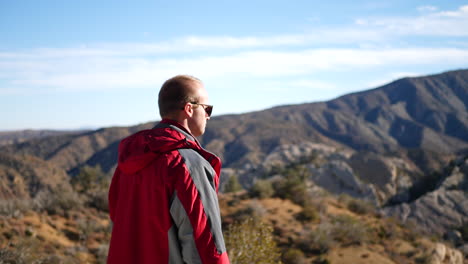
[188, 109]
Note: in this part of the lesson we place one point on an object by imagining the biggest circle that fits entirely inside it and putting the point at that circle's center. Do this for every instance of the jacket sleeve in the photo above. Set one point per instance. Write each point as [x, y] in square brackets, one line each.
[195, 210]
[113, 194]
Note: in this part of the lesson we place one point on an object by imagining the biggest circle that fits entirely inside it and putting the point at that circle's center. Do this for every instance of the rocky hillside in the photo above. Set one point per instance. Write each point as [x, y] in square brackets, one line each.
[364, 175]
[444, 208]
[72, 151]
[14, 137]
[422, 119]
[387, 146]
[23, 176]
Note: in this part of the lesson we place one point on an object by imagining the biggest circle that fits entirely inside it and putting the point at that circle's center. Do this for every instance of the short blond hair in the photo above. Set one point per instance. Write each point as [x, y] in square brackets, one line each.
[175, 92]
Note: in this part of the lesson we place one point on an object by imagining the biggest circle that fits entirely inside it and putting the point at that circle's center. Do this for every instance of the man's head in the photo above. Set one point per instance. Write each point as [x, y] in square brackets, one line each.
[183, 98]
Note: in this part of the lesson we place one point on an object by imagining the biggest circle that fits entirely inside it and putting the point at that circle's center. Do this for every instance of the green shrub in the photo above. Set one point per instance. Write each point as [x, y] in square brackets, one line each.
[262, 189]
[251, 241]
[232, 185]
[320, 240]
[15, 207]
[349, 231]
[360, 207]
[101, 253]
[342, 230]
[99, 200]
[25, 251]
[89, 178]
[309, 213]
[253, 211]
[8, 255]
[293, 256]
[57, 201]
[293, 186]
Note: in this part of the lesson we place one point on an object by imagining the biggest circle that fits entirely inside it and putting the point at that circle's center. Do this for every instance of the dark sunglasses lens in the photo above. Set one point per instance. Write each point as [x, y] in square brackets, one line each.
[209, 109]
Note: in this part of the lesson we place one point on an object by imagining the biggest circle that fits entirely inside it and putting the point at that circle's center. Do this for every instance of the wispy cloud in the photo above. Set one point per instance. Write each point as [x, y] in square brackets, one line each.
[101, 73]
[431, 23]
[123, 65]
[427, 8]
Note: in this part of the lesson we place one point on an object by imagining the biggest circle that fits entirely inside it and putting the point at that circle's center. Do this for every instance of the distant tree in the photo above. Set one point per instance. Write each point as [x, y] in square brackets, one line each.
[88, 179]
[262, 189]
[309, 213]
[232, 185]
[293, 186]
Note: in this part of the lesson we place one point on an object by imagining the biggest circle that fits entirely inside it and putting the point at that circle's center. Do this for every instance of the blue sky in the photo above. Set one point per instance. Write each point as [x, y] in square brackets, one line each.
[75, 64]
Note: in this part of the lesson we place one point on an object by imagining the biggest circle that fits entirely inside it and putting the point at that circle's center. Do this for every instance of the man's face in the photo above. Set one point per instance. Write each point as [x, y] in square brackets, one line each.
[197, 123]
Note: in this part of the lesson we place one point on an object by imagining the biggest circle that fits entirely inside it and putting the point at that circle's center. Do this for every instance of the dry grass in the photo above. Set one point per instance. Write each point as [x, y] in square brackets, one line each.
[78, 238]
[349, 235]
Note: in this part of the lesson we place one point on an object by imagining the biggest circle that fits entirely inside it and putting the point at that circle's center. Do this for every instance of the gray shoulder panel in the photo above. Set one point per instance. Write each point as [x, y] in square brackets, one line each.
[203, 177]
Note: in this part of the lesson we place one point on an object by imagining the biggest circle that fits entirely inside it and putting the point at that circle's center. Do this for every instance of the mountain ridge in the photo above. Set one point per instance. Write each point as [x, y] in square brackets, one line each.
[415, 117]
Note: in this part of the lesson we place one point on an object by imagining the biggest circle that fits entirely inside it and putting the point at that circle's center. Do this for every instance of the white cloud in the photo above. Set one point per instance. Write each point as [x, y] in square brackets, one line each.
[122, 65]
[365, 30]
[427, 8]
[443, 23]
[113, 73]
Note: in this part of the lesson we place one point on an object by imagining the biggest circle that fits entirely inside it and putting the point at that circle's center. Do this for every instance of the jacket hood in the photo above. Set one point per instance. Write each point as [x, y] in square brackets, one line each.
[140, 149]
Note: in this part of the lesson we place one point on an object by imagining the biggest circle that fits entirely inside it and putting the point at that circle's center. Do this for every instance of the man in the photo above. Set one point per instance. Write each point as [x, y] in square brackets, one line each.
[163, 196]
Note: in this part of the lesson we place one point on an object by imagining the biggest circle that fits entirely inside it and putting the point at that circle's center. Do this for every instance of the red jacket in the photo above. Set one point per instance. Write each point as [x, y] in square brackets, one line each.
[163, 200]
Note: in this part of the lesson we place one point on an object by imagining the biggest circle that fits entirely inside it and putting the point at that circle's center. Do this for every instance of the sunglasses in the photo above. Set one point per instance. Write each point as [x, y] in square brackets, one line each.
[208, 108]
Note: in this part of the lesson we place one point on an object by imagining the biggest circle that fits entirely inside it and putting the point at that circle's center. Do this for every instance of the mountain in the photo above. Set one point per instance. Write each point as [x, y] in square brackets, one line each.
[14, 137]
[389, 145]
[71, 151]
[23, 176]
[423, 120]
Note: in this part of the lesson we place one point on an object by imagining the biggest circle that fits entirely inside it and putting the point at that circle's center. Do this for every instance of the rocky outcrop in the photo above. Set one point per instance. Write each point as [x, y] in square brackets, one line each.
[442, 254]
[442, 209]
[338, 170]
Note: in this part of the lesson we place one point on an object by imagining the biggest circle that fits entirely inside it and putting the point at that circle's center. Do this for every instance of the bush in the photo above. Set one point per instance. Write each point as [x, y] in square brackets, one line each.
[99, 200]
[13, 256]
[349, 231]
[309, 213]
[360, 207]
[343, 229]
[232, 185]
[57, 201]
[24, 251]
[293, 256]
[250, 242]
[320, 240]
[15, 207]
[294, 185]
[253, 211]
[86, 227]
[101, 253]
[88, 179]
[262, 189]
